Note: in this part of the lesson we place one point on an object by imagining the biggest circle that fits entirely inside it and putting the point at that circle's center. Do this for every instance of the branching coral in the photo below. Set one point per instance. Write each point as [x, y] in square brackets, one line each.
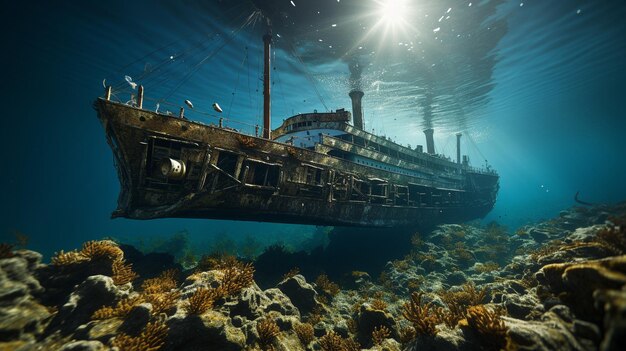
[163, 302]
[380, 334]
[487, 267]
[292, 272]
[378, 304]
[613, 237]
[268, 331]
[201, 300]
[121, 309]
[62, 258]
[94, 250]
[326, 286]
[406, 335]
[122, 272]
[305, 333]
[151, 338]
[165, 282]
[423, 317]
[333, 342]
[489, 325]
[236, 278]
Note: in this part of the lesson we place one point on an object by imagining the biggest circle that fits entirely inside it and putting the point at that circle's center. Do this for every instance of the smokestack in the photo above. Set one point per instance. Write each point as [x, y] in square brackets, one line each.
[430, 142]
[357, 113]
[458, 148]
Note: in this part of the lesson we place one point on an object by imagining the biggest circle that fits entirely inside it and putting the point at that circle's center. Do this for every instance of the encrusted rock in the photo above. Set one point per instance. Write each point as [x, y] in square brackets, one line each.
[301, 293]
[551, 333]
[369, 318]
[83, 345]
[195, 333]
[95, 292]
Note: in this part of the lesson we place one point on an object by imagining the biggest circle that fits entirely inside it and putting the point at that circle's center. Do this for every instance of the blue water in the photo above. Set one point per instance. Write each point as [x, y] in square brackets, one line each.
[536, 87]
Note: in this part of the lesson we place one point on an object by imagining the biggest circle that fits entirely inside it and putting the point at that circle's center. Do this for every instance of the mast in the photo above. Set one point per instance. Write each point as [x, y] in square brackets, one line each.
[267, 40]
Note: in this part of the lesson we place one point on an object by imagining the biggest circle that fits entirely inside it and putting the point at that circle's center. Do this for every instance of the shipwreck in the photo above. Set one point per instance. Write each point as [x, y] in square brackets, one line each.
[318, 168]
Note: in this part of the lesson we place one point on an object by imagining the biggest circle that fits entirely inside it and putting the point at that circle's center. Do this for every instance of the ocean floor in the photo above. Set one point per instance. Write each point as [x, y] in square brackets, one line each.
[555, 285]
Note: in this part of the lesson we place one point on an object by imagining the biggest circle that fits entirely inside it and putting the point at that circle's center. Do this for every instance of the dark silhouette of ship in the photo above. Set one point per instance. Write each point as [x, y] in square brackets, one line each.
[316, 168]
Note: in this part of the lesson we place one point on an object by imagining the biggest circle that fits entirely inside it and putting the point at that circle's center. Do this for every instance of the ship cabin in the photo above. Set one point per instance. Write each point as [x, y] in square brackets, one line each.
[330, 133]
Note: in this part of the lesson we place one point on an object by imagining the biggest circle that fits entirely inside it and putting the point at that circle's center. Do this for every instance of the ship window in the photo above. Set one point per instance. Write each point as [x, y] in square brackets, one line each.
[259, 173]
[309, 124]
[313, 175]
[227, 161]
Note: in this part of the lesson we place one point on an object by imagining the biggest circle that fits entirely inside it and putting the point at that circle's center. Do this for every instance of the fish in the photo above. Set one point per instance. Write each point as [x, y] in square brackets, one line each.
[188, 103]
[217, 107]
[130, 82]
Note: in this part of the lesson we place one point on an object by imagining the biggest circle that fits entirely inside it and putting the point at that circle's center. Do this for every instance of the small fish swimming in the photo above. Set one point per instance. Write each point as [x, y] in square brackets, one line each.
[217, 107]
[188, 103]
[129, 80]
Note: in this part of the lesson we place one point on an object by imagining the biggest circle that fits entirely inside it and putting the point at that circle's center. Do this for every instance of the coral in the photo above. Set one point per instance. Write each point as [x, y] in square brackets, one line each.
[550, 248]
[292, 272]
[353, 326]
[613, 237]
[487, 267]
[6, 250]
[95, 250]
[216, 261]
[468, 296]
[488, 324]
[416, 240]
[380, 334]
[326, 286]
[268, 331]
[378, 304]
[163, 302]
[121, 309]
[236, 277]
[122, 272]
[401, 265]
[201, 300]
[62, 258]
[423, 317]
[406, 335]
[333, 342]
[165, 282]
[461, 253]
[305, 333]
[151, 338]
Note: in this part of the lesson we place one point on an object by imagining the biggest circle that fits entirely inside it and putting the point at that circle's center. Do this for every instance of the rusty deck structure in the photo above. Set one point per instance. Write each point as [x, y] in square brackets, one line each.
[316, 168]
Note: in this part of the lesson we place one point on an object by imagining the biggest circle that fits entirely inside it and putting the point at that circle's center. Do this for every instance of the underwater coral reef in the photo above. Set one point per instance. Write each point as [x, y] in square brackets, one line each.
[555, 285]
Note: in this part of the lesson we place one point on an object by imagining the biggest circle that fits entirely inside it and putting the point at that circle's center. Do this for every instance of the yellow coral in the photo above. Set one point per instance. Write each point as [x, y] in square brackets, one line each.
[305, 333]
[378, 304]
[151, 338]
[121, 309]
[95, 249]
[326, 286]
[380, 334]
[122, 272]
[332, 342]
[268, 331]
[201, 300]
[165, 282]
[423, 317]
[62, 258]
[406, 335]
[163, 302]
[489, 325]
[236, 278]
[292, 272]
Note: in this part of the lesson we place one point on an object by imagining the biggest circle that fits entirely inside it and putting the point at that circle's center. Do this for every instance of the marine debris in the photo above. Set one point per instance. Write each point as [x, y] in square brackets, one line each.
[555, 285]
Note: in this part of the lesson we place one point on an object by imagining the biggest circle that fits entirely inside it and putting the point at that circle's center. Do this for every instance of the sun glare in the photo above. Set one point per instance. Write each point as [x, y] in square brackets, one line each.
[392, 11]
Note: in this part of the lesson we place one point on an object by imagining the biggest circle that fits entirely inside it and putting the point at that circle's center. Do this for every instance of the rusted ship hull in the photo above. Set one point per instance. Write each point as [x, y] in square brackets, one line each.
[229, 175]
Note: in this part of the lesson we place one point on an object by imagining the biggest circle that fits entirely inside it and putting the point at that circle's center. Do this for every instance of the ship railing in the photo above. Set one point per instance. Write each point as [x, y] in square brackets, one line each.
[190, 112]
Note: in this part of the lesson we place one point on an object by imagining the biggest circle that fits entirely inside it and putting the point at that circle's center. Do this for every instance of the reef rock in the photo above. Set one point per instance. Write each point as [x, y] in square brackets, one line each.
[301, 293]
[95, 292]
[576, 282]
[369, 318]
[193, 333]
[551, 333]
[21, 316]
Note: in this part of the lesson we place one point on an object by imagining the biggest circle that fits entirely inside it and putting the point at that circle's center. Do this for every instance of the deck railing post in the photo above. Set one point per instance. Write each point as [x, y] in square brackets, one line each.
[182, 112]
[256, 130]
[221, 122]
[107, 93]
[140, 96]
